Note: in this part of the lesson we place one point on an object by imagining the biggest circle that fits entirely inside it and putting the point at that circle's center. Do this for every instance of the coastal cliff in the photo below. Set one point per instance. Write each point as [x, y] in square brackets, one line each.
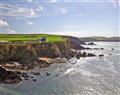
[18, 57]
[30, 52]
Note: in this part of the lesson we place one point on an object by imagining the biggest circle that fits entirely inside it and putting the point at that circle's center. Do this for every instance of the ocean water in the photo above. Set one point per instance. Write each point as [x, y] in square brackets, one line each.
[84, 76]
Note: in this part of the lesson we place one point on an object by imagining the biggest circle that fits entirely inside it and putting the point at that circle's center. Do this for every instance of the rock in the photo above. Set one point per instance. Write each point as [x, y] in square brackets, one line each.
[25, 75]
[43, 65]
[96, 48]
[56, 75]
[36, 73]
[112, 49]
[9, 76]
[102, 48]
[18, 72]
[84, 54]
[109, 54]
[47, 74]
[87, 48]
[26, 78]
[90, 55]
[34, 79]
[46, 60]
[60, 60]
[2, 71]
[91, 43]
[101, 55]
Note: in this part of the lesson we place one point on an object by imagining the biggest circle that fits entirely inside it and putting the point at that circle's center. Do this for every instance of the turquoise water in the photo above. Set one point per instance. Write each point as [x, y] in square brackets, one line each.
[88, 76]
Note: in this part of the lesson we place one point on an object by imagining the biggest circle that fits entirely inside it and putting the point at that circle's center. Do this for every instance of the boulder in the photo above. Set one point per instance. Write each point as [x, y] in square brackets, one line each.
[100, 55]
[91, 43]
[90, 55]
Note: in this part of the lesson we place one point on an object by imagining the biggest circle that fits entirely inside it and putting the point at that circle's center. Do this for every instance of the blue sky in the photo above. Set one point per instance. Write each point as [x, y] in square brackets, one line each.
[65, 17]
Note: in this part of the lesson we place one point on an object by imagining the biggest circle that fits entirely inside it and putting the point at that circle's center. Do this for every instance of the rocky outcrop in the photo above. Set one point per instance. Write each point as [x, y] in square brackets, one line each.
[75, 42]
[84, 54]
[9, 76]
[91, 43]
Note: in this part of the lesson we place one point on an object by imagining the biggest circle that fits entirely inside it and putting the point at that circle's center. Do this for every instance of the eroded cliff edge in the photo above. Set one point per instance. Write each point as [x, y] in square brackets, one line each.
[30, 52]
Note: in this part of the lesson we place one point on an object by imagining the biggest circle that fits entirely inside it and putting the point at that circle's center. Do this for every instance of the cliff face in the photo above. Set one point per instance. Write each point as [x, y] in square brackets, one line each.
[29, 52]
[75, 40]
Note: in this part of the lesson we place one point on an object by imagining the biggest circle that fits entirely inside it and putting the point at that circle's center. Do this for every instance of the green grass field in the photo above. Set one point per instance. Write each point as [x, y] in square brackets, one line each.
[28, 37]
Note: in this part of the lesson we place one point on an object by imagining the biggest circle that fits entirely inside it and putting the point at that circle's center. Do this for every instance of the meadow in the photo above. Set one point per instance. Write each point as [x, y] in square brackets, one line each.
[29, 37]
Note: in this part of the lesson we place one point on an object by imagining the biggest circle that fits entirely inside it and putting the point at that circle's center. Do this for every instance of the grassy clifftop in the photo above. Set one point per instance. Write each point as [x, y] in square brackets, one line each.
[29, 37]
[55, 46]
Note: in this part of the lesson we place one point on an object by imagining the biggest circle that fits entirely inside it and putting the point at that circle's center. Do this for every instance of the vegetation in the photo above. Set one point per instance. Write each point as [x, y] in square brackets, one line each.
[29, 37]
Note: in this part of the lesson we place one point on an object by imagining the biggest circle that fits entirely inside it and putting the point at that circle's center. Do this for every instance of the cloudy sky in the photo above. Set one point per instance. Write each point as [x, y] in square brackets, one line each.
[66, 17]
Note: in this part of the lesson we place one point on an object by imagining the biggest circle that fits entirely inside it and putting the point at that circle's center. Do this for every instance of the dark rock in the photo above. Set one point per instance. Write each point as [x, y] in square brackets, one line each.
[47, 74]
[102, 48]
[96, 48]
[26, 78]
[9, 76]
[78, 55]
[43, 65]
[76, 40]
[90, 55]
[34, 79]
[91, 43]
[25, 75]
[2, 72]
[36, 73]
[18, 72]
[101, 55]
[84, 54]
[75, 43]
[112, 49]
[56, 75]
[88, 48]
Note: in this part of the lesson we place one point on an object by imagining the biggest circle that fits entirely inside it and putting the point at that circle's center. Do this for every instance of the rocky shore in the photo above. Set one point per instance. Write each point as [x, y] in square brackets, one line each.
[25, 56]
[7, 76]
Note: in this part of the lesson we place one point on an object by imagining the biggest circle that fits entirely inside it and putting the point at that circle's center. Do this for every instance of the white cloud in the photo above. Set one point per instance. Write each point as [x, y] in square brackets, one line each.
[69, 33]
[3, 23]
[15, 11]
[40, 8]
[29, 22]
[52, 1]
[63, 11]
[115, 3]
[5, 27]
[32, 13]
[8, 30]
[29, 0]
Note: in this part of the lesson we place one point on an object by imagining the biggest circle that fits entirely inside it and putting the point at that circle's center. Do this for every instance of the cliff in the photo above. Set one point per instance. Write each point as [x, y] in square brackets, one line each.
[30, 52]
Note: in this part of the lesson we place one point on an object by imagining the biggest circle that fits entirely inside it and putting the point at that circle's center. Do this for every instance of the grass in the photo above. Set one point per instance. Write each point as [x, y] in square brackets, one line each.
[28, 37]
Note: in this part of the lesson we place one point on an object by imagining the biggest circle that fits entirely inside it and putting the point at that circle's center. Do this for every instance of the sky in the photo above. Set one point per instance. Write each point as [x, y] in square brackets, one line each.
[78, 18]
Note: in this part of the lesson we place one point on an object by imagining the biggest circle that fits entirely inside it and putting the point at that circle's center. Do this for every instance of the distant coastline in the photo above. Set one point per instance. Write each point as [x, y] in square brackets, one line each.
[98, 39]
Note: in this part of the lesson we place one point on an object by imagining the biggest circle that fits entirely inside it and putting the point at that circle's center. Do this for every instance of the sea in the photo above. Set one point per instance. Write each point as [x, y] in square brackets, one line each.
[84, 76]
